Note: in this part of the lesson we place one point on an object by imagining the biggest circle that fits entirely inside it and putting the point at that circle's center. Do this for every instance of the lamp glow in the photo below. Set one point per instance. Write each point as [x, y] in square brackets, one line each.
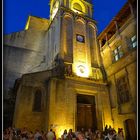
[82, 71]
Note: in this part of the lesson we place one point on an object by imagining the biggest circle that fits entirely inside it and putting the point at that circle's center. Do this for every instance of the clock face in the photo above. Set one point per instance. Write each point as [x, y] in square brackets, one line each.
[80, 38]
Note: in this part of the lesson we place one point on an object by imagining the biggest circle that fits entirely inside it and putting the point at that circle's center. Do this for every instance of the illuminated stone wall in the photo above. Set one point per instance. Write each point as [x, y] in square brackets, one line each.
[37, 23]
[67, 38]
[80, 54]
[126, 66]
[59, 102]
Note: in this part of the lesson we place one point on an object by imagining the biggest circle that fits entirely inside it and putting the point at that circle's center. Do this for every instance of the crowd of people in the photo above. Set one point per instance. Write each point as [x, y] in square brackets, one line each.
[24, 134]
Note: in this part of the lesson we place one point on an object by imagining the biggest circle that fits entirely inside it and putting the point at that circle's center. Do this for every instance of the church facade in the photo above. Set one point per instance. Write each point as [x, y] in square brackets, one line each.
[68, 77]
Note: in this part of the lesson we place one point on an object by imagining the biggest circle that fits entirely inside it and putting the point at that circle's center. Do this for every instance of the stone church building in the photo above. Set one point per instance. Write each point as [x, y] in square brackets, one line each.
[65, 76]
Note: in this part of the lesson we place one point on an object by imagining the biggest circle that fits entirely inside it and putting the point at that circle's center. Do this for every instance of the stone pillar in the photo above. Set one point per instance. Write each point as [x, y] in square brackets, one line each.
[97, 48]
[106, 108]
[101, 66]
[62, 34]
[52, 107]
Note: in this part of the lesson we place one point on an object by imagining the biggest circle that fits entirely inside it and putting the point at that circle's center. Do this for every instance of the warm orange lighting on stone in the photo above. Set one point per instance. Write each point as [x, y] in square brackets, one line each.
[82, 70]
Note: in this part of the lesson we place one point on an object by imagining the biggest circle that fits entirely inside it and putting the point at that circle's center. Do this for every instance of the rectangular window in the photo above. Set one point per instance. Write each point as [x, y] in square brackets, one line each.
[122, 90]
[133, 41]
[80, 38]
[117, 53]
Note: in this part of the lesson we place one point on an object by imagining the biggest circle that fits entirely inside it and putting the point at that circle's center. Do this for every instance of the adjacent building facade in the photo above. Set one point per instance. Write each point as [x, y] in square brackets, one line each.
[67, 77]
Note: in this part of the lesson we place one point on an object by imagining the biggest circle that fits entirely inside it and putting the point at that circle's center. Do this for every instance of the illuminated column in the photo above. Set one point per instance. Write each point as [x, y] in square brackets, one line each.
[101, 66]
[88, 48]
[97, 48]
[61, 33]
[52, 105]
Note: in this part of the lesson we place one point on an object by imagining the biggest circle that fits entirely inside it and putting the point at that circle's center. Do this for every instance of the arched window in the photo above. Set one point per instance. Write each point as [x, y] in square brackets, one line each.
[77, 7]
[37, 101]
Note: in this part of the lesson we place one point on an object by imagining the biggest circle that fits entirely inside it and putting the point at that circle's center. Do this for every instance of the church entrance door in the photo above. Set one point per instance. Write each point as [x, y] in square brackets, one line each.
[86, 113]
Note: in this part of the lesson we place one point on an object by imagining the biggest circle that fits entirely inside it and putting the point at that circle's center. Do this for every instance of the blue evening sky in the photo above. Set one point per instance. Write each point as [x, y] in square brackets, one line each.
[15, 12]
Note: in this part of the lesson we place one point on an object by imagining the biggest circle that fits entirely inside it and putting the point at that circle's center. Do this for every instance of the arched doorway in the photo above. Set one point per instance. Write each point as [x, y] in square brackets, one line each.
[130, 129]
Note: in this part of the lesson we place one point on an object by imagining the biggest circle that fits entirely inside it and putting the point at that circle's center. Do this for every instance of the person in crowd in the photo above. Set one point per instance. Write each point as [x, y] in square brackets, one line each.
[43, 135]
[50, 135]
[11, 133]
[120, 135]
[110, 128]
[114, 134]
[106, 130]
[30, 135]
[37, 134]
[99, 135]
[90, 133]
[83, 134]
[110, 134]
[80, 136]
[87, 135]
[6, 135]
[24, 131]
[65, 135]
[83, 130]
[54, 135]
[18, 134]
[71, 135]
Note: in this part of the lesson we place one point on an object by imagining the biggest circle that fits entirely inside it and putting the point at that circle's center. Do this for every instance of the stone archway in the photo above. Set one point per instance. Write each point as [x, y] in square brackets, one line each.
[130, 129]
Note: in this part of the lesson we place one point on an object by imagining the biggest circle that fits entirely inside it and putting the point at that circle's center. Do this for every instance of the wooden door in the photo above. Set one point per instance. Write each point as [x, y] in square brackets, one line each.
[84, 116]
[130, 129]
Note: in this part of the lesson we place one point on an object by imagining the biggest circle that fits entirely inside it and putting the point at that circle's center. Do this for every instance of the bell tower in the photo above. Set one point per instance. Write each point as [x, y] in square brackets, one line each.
[77, 37]
[79, 47]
